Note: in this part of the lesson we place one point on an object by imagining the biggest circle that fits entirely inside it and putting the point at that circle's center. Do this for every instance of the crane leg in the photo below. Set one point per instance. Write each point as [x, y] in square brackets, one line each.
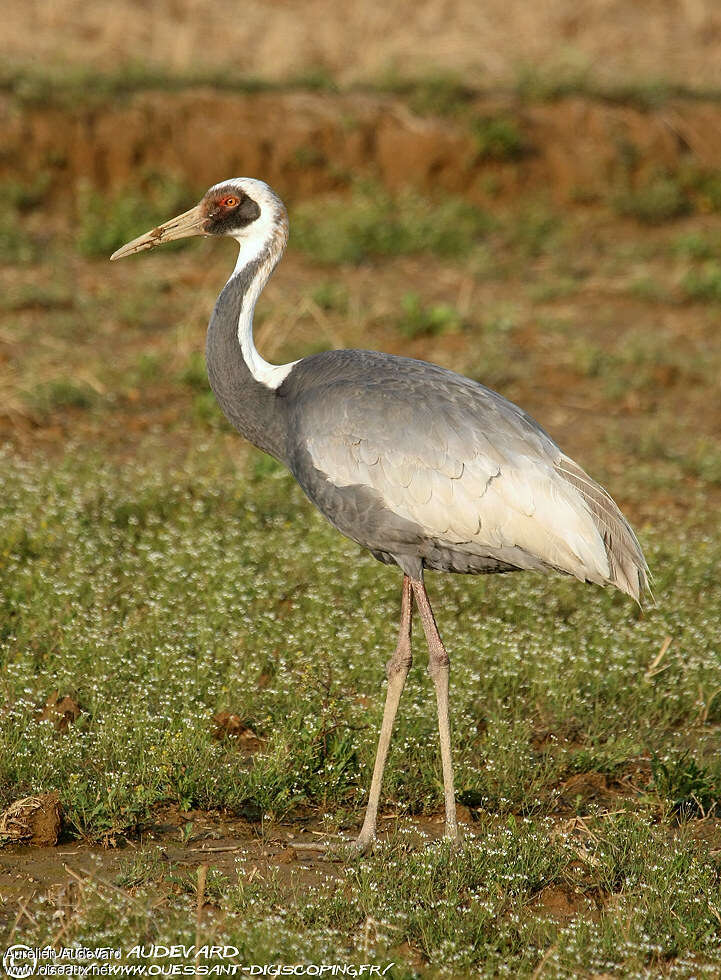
[396, 670]
[439, 669]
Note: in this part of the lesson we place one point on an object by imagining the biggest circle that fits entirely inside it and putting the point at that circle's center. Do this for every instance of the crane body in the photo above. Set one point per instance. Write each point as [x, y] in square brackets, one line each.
[423, 467]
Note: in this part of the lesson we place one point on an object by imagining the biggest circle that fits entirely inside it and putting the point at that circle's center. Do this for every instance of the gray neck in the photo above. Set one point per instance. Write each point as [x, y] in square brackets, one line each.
[251, 406]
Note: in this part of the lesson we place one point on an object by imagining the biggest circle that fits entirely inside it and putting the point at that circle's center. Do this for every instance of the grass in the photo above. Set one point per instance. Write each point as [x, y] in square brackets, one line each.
[572, 77]
[104, 224]
[532, 230]
[331, 296]
[375, 224]
[638, 367]
[158, 596]
[435, 93]
[498, 138]
[158, 573]
[42, 296]
[703, 284]
[655, 202]
[705, 187]
[17, 245]
[653, 909]
[418, 320]
[205, 408]
[60, 393]
[695, 245]
[119, 587]
[667, 197]
[372, 224]
[690, 788]
[67, 86]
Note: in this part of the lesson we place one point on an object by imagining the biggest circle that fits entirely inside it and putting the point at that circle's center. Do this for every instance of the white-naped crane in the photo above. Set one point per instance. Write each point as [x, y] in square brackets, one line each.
[421, 466]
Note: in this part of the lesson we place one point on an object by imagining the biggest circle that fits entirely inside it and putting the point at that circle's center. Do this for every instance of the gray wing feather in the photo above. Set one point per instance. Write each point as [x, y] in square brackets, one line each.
[473, 471]
[628, 568]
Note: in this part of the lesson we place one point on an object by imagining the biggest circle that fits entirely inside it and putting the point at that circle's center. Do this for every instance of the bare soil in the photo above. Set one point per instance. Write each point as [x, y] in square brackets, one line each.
[301, 853]
[185, 841]
[303, 143]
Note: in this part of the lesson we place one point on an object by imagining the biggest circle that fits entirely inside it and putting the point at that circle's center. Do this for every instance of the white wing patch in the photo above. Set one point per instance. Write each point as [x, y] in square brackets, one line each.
[485, 503]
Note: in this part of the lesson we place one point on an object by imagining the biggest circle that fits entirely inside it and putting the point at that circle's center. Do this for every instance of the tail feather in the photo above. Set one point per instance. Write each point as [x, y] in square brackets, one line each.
[628, 569]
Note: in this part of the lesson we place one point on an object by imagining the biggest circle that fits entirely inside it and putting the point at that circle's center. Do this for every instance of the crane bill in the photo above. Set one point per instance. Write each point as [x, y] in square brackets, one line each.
[183, 226]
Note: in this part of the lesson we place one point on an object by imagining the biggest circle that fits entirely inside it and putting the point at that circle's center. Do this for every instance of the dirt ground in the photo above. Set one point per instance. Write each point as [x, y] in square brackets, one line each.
[297, 852]
[215, 839]
[304, 143]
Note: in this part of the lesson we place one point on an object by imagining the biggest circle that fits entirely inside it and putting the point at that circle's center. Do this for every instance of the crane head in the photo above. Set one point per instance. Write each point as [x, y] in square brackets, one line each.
[228, 208]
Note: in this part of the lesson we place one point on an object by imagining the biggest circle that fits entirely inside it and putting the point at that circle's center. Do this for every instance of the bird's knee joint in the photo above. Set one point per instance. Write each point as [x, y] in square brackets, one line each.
[399, 665]
[439, 665]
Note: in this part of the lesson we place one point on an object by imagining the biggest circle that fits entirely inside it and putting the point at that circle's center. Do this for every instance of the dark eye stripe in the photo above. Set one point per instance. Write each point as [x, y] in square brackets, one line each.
[223, 219]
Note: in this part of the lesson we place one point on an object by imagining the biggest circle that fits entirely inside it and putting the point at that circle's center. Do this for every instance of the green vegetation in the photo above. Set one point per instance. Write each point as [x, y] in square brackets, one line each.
[17, 245]
[502, 906]
[649, 290]
[695, 245]
[194, 374]
[691, 789]
[25, 196]
[60, 393]
[661, 199]
[638, 363]
[534, 229]
[374, 224]
[316, 79]
[704, 283]
[498, 138]
[205, 408]
[573, 78]
[418, 320]
[436, 94]
[557, 288]
[169, 555]
[104, 224]
[331, 296]
[668, 196]
[158, 597]
[704, 460]
[705, 186]
[67, 86]
[38, 296]
[159, 572]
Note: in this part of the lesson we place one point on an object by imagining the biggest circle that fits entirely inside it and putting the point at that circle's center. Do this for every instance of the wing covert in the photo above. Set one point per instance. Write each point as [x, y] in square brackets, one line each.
[467, 470]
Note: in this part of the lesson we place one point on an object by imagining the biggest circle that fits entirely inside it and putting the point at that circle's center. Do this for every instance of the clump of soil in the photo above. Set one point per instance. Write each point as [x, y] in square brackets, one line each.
[33, 820]
[229, 725]
[61, 711]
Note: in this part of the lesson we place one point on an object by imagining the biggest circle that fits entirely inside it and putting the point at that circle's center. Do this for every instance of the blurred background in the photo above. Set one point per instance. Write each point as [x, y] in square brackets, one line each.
[527, 195]
[487, 44]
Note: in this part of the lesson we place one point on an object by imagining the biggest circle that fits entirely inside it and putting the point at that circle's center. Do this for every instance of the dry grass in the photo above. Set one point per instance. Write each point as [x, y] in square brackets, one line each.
[481, 43]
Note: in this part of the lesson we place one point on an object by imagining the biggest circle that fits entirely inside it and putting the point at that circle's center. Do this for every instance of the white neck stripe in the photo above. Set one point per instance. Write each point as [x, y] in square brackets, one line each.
[270, 375]
[264, 240]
